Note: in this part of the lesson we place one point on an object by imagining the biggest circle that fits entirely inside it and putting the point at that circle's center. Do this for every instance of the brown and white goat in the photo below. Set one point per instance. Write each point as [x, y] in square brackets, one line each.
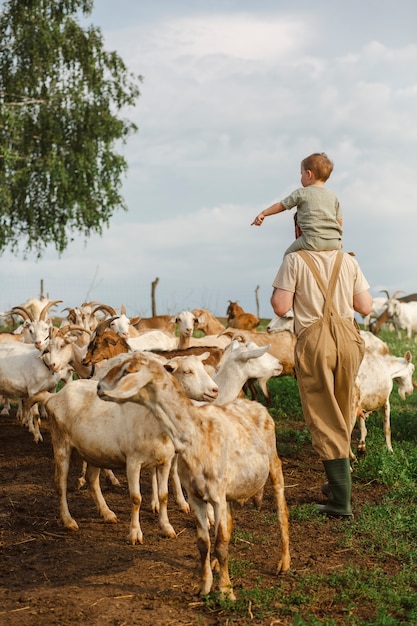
[225, 454]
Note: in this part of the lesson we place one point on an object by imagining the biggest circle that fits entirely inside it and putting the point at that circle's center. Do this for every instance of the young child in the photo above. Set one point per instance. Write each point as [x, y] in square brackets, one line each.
[319, 216]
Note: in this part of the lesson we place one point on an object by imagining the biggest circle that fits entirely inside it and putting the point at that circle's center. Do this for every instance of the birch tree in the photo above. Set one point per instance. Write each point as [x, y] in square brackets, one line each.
[62, 100]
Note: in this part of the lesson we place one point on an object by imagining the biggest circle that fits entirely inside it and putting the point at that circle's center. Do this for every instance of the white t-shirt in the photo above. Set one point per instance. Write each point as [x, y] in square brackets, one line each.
[295, 276]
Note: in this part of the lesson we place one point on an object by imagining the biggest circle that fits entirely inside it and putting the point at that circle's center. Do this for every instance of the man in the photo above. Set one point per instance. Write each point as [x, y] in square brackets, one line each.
[324, 289]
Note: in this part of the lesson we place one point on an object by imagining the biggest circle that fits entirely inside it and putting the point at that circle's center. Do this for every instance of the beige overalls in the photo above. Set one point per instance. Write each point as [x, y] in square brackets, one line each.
[327, 358]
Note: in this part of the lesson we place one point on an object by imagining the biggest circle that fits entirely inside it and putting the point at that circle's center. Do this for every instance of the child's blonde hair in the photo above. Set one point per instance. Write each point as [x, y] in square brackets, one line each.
[320, 164]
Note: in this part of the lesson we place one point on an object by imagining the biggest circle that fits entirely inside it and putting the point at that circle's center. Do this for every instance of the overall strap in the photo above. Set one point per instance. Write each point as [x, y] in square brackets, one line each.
[327, 293]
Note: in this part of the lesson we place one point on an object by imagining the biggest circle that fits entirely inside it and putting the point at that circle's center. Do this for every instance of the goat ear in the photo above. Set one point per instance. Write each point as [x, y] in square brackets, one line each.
[253, 353]
[170, 367]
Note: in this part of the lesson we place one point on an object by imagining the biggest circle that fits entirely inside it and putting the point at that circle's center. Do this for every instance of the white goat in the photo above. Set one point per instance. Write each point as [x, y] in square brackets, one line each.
[36, 329]
[24, 371]
[241, 362]
[373, 387]
[225, 454]
[404, 316]
[281, 345]
[373, 343]
[113, 436]
[121, 323]
[278, 324]
[187, 323]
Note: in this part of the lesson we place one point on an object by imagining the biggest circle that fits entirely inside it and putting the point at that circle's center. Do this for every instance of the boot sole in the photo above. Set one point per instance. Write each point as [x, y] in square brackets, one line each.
[321, 508]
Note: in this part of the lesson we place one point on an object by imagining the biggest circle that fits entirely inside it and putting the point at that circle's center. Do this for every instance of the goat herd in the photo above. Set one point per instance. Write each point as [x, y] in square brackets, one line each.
[137, 393]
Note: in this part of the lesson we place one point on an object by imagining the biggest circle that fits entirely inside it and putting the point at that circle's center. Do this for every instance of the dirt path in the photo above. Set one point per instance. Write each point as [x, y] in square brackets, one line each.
[49, 575]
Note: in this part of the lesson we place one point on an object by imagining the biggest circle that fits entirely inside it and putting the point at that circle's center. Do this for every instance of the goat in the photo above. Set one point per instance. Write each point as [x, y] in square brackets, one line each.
[373, 387]
[112, 436]
[373, 343]
[225, 454]
[120, 323]
[186, 323]
[240, 363]
[404, 316]
[36, 329]
[104, 344]
[238, 318]
[376, 326]
[278, 324]
[24, 371]
[281, 345]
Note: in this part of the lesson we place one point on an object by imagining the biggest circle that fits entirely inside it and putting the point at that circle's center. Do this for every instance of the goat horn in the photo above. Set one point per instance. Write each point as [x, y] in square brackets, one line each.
[46, 308]
[385, 291]
[20, 310]
[104, 324]
[64, 330]
[93, 303]
[396, 292]
[123, 310]
[107, 308]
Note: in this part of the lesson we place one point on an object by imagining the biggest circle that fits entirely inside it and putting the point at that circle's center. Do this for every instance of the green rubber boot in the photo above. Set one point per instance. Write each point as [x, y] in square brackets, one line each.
[339, 486]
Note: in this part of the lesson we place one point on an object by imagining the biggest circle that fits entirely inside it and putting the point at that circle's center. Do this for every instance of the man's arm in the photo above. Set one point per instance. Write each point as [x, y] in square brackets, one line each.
[362, 302]
[281, 301]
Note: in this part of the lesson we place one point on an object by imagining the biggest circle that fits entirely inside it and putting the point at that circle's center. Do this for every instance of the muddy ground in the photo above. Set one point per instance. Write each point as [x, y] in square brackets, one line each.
[51, 576]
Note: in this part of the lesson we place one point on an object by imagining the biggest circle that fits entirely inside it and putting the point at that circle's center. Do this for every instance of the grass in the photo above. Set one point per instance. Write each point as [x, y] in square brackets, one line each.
[386, 530]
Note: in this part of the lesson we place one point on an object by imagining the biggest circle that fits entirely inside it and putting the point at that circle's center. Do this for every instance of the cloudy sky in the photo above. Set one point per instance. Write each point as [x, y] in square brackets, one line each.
[235, 94]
